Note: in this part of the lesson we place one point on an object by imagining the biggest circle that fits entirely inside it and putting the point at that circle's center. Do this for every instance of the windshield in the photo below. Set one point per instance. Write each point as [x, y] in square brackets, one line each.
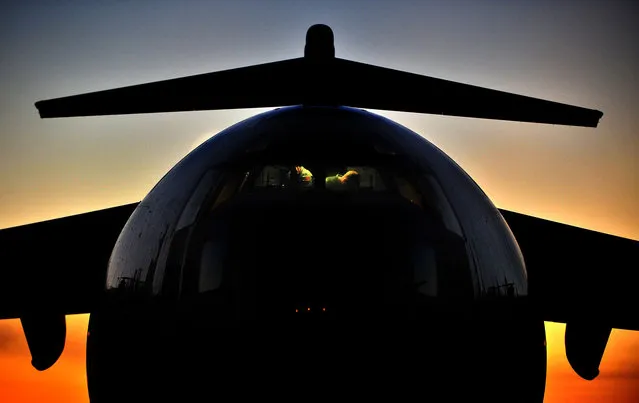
[335, 178]
[370, 233]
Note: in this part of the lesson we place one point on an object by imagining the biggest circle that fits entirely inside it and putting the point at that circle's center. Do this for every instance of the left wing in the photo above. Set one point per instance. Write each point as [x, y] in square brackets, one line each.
[55, 268]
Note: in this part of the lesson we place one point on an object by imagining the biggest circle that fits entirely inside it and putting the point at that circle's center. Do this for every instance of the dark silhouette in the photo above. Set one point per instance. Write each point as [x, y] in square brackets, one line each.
[426, 287]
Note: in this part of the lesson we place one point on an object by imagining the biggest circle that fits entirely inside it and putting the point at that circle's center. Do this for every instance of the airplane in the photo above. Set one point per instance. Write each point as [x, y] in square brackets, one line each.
[258, 264]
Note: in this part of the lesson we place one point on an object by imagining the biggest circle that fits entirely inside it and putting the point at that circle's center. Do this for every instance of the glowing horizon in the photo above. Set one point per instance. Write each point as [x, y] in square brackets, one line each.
[568, 213]
[65, 381]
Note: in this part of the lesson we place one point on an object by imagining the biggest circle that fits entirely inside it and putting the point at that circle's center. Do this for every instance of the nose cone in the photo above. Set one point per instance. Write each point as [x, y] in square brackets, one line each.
[319, 42]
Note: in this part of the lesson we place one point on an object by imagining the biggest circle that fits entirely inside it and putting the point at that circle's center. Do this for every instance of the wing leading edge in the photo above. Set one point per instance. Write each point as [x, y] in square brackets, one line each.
[573, 272]
[57, 265]
[576, 274]
[309, 81]
[55, 268]
[583, 278]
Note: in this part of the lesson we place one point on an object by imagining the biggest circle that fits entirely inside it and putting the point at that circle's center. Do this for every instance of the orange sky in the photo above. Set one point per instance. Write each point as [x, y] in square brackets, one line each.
[66, 380]
[562, 51]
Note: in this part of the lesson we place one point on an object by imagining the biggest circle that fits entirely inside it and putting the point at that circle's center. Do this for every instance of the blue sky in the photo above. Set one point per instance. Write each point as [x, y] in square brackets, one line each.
[577, 52]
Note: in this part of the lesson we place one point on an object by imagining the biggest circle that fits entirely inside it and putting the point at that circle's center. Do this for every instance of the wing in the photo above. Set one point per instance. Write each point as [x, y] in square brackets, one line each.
[577, 273]
[583, 278]
[331, 82]
[54, 268]
[57, 264]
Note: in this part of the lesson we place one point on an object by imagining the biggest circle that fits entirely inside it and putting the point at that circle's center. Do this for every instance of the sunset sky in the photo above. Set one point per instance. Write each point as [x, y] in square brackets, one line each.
[578, 52]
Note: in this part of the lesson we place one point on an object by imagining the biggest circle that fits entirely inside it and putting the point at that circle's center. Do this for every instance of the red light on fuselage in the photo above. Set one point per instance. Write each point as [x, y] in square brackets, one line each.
[323, 309]
[297, 310]
[308, 309]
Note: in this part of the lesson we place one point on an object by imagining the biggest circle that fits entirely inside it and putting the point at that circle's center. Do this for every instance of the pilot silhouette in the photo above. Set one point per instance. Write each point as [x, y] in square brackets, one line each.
[306, 178]
[337, 181]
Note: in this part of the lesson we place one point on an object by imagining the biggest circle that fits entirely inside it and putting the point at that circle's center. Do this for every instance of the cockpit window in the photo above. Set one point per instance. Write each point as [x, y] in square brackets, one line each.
[273, 176]
[434, 199]
[283, 177]
[340, 178]
[422, 190]
[266, 251]
[231, 185]
[354, 178]
[369, 178]
[393, 220]
[408, 190]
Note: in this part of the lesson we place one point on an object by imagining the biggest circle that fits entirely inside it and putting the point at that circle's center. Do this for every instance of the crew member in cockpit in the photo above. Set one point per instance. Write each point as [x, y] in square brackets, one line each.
[305, 177]
[338, 181]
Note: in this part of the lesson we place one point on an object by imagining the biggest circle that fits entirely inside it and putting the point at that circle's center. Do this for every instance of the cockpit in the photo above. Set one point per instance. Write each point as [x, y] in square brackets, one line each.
[326, 217]
[337, 179]
[307, 239]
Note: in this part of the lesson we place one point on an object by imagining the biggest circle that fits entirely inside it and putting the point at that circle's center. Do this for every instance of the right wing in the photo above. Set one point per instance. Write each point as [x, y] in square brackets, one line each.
[579, 274]
[586, 279]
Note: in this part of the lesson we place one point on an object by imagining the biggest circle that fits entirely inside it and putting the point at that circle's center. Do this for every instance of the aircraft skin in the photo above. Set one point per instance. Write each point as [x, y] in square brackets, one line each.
[390, 276]
[232, 276]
